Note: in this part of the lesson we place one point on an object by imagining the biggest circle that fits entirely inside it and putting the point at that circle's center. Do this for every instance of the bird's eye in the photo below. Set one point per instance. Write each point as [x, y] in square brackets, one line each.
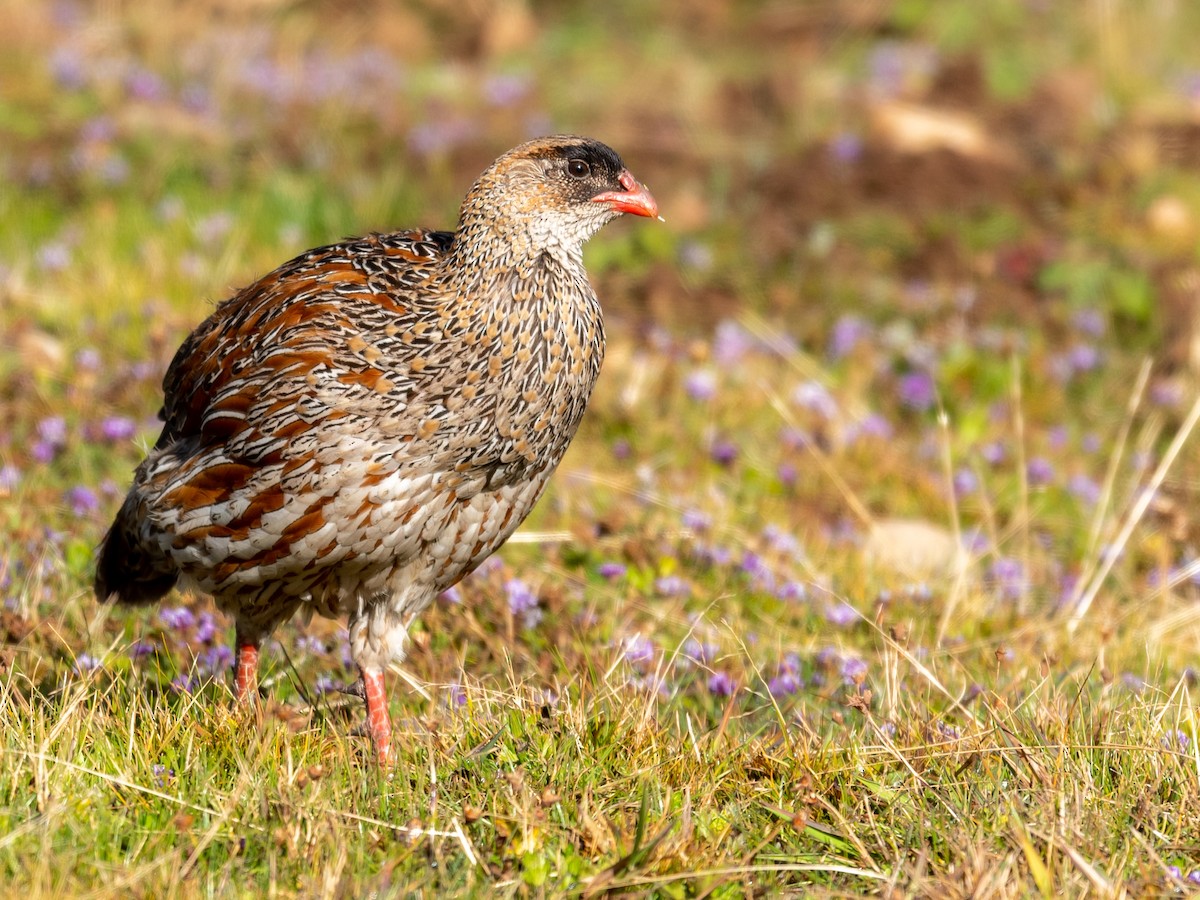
[577, 168]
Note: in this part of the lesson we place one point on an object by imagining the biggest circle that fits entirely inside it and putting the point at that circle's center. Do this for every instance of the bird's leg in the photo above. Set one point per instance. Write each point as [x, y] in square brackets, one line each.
[379, 724]
[246, 670]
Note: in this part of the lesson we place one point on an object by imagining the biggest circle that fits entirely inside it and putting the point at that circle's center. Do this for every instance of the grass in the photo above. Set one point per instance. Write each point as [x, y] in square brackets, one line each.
[871, 571]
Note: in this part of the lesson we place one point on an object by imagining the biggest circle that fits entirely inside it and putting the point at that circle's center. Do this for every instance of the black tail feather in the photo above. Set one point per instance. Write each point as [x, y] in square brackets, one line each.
[127, 574]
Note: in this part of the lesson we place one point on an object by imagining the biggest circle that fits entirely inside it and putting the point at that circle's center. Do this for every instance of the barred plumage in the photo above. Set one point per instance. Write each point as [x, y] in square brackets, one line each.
[362, 427]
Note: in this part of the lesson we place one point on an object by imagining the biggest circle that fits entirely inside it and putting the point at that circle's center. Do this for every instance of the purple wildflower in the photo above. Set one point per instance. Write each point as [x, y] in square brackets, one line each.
[455, 695]
[638, 650]
[1193, 877]
[1086, 490]
[216, 659]
[139, 649]
[1090, 322]
[696, 521]
[310, 643]
[53, 256]
[184, 684]
[672, 586]
[52, 430]
[88, 359]
[701, 384]
[792, 590]
[853, 670]
[731, 342]
[699, 651]
[993, 453]
[721, 684]
[505, 89]
[784, 684]
[965, 482]
[82, 500]
[1039, 471]
[1008, 576]
[10, 477]
[1176, 740]
[523, 602]
[815, 397]
[842, 614]
[916, 390]
[846, 147]
[872, 425]
[724, 452]
[611, 570]
[206, 629]
[1133, 683]
[621, 449]
[1084, 358]
[117, 429]
[176, 618]
[85, 662]
[451, 594]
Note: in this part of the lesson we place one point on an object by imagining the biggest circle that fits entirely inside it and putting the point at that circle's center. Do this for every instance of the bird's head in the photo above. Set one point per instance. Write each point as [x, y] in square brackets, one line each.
[551, 194]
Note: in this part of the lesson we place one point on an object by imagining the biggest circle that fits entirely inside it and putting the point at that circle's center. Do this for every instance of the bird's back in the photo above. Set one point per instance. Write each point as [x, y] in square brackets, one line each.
[358, 416]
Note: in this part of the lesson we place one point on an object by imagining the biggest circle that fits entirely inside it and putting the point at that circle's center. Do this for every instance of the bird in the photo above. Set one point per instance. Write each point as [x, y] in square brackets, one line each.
[359, 429]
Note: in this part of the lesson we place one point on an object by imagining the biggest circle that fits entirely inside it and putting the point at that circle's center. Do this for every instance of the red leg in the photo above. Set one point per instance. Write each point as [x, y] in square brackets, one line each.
[378, 723]
[246, 682]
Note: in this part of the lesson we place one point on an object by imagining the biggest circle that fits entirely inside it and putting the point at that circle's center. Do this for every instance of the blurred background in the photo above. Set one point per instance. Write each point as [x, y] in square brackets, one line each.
[875, 209]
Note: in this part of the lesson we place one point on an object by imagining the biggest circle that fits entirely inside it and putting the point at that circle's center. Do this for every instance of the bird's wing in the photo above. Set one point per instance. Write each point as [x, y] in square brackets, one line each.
[301, 335]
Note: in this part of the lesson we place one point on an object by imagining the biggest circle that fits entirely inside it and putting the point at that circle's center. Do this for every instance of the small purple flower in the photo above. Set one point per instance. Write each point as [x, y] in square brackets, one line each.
[176, 618]
[161, 774]
[88, 359]
[52, 430]
[451, 594]
[184, 684]
[10, 477]
[621, 449]
[853, 670]
[523, 602]
[721, 684]
[1039, 471]
[506, 89]
[1174, 873]
[841, 614]
[117, 429]
[216, 659]
[784, 684]
[724, 452]
[701, 384]
[455, 695]
[307, 643]
[82, 500]
[672, 586]
[696, 521]
[993, 453]
[966, 482]
[1008, 575]
[916, 390]
[212, 228]
[872, 425]
[85, 662]
[611, 570]
[1133, 683]
[948, 731]
[846, 148]
[1086, 490]
[731, 342]
[700, 652]
[1090, 321]
[325, 684]
[1084, 358]
[1193, 877]
[1176, 740]
[638, 650]
[140, 649]
[815, 397]
[53, 256]
[792, 591]
[142, 84]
